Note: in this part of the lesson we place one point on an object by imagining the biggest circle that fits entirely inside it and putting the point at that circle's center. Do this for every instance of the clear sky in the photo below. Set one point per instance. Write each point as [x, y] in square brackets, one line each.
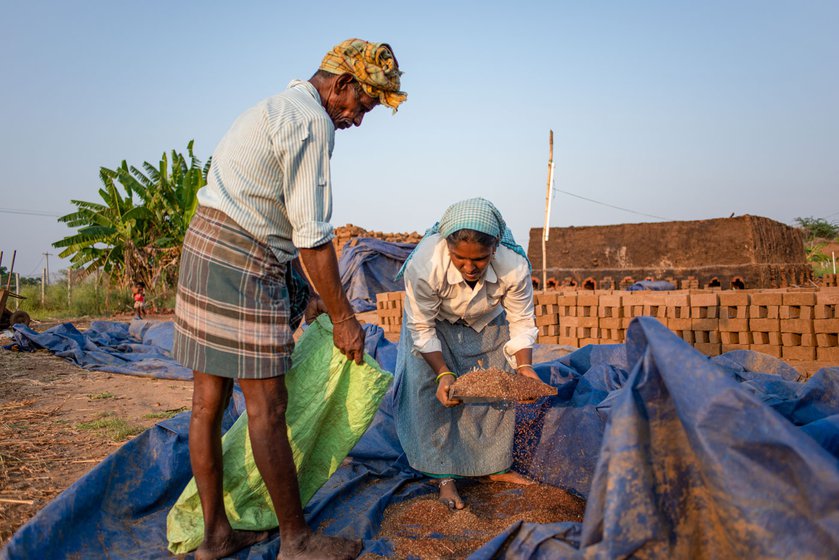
[673, 110]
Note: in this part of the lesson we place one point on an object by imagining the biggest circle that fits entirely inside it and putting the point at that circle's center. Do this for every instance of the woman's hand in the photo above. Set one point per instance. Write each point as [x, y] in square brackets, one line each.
[443, 387]
[528, 371]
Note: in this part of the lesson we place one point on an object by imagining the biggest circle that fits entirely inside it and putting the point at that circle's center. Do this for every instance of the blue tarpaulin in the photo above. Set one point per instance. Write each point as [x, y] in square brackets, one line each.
[368, 267]
[678, 455]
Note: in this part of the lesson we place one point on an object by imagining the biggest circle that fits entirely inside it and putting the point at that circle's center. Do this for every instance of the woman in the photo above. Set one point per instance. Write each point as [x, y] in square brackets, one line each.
[468, 303]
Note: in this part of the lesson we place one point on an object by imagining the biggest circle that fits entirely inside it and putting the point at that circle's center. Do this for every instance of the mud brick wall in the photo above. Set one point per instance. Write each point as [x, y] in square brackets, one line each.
[746, 252]
[792, 323]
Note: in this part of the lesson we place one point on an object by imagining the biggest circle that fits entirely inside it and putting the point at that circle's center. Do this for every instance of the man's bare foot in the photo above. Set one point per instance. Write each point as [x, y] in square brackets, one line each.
[449, 494]
[512, 477]
[320, 547]
[237, 540]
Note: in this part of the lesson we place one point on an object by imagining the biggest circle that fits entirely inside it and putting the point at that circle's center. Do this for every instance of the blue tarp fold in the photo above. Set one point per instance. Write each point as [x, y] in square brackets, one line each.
[677, 454]
[368, 266]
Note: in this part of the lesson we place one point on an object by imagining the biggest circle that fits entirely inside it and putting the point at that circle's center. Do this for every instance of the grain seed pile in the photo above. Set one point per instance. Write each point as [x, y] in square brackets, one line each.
[494, 384]
[425, 528]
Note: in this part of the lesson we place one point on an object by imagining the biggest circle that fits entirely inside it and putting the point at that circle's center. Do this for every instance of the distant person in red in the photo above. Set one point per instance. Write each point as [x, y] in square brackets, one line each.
[139, 292]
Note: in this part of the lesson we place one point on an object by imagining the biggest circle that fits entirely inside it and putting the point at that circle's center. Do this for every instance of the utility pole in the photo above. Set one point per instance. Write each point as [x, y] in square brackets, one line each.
[546, 230]
[47, 256]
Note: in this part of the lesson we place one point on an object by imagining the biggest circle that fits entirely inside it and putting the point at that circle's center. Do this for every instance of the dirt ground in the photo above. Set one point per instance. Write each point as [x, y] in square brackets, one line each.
[57, 421]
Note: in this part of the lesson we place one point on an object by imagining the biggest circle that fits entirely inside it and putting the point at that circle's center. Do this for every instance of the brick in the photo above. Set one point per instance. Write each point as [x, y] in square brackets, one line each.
[765, 325]
[546, 298]
[827, 297]
[611, 323]
[587, 322]
[830, 355]
[679, 324]
[547, 320]
[826, 340]
[797, 325]
[767, 298]
[586, 341]
[798, 353]
[677, 300]
[734, 298]
[550, 309]
[396, 296]
[704, 324]
[734, 325]
[771, 349]
[382, 296]
[587, 299]
[732, 347]
[569, 340]
[704, 300]
[548, 340]
[708, 349]
[826, 325]
[798, 298]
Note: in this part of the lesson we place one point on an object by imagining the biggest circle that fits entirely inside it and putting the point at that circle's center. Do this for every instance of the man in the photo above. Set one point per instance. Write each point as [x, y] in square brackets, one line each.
[268, 199]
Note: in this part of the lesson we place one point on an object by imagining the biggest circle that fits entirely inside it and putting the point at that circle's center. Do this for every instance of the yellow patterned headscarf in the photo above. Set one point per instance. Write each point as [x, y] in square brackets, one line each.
[373, 66]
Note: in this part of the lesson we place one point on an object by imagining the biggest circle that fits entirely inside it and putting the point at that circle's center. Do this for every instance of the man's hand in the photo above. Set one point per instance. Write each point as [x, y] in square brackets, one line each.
[348, 337]
[443, 387]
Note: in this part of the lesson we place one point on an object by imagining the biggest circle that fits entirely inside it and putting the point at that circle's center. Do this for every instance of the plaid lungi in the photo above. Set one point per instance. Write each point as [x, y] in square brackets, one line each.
[237, 305]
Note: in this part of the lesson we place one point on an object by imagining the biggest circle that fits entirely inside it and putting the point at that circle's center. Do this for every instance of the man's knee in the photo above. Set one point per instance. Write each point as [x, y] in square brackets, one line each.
[210, 397]
[266, 401]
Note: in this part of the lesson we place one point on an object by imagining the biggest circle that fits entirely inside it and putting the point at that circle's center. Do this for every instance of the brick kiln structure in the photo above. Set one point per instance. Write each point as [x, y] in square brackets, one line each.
[729, 253]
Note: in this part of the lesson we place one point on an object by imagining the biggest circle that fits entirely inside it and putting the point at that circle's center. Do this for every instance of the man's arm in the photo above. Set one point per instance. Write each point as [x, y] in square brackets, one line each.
[322, 268]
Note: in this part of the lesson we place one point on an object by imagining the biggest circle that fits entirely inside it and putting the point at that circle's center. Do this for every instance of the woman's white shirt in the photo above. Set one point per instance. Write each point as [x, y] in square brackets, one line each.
[435, 289]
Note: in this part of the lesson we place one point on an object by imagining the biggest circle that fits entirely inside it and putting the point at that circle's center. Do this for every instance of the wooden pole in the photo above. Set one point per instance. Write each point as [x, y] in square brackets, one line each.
[17, 288]
[546, 229]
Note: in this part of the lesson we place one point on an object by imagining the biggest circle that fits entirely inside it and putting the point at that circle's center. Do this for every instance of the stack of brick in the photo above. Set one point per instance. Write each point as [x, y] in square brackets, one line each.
[734, 321]
[587, 323]
[765, 323]
[567, 307]
[826, 324]
[547, 317]
[389, 311]
[678, 315]
[705, 323]
[610, 319]
[798, 335]
[830, 280]
[633, 306]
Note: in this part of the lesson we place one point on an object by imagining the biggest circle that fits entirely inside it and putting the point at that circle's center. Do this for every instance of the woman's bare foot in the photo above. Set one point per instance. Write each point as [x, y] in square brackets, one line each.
[511, 477]
[212, 549]
[449, 494]
[320, 547]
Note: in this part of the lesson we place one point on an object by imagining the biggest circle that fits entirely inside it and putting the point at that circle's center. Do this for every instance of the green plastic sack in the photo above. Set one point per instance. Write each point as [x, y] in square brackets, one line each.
[331, 402]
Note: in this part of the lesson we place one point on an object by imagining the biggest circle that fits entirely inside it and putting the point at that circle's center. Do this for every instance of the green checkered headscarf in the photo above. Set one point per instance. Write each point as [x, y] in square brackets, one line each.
[477, 214]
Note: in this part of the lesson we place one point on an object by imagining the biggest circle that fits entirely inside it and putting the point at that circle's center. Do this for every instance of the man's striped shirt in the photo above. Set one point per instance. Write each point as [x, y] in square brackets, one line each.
[270, 172]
